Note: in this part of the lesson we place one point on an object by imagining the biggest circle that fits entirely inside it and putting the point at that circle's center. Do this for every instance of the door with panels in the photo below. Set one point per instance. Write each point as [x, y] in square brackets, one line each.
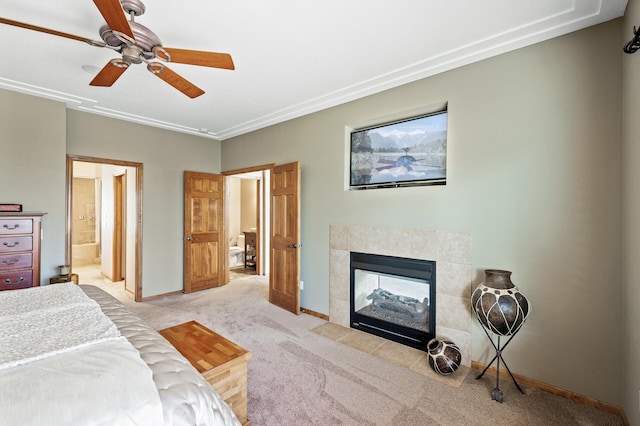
[204, 242]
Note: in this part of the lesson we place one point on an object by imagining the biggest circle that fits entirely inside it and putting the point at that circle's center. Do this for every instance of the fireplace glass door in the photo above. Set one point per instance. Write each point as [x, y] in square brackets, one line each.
[393, 298]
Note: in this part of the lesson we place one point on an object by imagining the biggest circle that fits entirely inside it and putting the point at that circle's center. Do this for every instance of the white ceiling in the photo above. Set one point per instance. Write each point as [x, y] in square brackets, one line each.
[292, 57]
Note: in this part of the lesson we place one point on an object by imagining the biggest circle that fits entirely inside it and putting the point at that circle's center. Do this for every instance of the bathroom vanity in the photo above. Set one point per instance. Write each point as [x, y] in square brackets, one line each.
[250, 249]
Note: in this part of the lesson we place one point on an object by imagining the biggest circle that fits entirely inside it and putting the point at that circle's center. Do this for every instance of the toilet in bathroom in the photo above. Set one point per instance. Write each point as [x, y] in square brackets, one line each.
[236, 252]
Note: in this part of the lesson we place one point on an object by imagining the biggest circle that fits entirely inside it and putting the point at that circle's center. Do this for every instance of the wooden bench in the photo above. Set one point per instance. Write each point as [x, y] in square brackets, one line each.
[222, 363]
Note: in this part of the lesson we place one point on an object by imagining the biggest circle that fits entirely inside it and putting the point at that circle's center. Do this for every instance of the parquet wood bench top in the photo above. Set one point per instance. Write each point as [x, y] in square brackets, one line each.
[222, 363]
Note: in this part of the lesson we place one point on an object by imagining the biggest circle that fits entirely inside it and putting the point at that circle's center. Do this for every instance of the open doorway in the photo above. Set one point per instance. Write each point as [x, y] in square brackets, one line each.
[104, 221]
[247, 221]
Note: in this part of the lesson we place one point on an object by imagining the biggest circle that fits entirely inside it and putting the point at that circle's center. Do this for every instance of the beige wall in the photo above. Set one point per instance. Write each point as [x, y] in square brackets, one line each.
[234, 206]
[534, 167]
[631, 213]
[36, 136]
[165, 156]
[242, 206]
[32, 167]
[107, 219]
[248, 216]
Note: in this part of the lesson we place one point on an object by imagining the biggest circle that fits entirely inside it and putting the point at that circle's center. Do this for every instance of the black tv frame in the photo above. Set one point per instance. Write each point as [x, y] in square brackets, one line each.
[424, 161]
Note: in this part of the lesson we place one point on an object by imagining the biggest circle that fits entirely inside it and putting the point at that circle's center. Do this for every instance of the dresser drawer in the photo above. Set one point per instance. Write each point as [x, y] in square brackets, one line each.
[16, 226]
[16, 279]
[15, 261]
[17, 243]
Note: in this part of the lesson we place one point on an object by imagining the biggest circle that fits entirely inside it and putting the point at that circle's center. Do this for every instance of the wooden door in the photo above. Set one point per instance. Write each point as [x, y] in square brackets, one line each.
[118, 258]
[284, 279]
[204, 242]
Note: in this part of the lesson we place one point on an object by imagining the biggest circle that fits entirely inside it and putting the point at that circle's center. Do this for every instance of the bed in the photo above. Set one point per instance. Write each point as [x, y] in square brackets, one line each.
[74, 354]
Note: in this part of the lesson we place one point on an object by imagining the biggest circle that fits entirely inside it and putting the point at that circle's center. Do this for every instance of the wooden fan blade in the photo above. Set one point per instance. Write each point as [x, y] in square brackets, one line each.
[49, 31]
[109, 74]
[197, 57]
[180, 83]
[113, 13]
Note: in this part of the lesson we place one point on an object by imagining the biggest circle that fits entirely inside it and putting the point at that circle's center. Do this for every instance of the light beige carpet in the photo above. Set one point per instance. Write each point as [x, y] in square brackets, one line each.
[299, 377]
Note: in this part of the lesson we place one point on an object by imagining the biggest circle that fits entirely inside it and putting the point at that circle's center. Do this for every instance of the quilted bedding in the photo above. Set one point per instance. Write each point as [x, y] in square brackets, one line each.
[58, 369]
[187, 398]
[152, 384]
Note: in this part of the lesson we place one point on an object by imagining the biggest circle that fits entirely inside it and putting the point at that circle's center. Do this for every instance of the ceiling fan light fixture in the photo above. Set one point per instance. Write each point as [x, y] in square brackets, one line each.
[132, 55]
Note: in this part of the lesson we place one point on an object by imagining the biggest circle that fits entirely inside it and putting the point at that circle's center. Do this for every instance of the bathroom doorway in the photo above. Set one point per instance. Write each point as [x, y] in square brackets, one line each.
[103, 217]
[247, 223]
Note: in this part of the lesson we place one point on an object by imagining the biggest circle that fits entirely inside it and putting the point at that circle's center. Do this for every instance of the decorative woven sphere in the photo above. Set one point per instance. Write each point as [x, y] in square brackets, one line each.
[498, 304]
[444, 356]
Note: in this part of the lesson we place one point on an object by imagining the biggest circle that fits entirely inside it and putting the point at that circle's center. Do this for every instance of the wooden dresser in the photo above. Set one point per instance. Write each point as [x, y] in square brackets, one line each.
[20, 236]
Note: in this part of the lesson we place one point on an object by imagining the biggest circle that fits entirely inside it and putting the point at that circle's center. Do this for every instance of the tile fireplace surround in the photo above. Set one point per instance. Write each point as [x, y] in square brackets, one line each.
[450, 249]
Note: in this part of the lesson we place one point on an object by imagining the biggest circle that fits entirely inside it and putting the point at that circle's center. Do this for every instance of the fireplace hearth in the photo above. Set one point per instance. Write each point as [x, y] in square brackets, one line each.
[394, 298]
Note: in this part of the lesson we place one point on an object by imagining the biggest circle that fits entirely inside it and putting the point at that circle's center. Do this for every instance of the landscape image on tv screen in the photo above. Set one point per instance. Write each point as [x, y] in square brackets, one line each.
[409, 152]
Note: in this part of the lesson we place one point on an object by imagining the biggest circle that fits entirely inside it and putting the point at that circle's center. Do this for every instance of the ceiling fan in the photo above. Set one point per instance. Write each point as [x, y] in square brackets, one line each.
[136, 44]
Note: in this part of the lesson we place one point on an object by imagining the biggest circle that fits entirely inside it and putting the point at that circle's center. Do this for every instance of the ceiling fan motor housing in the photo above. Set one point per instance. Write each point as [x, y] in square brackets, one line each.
[146, 40]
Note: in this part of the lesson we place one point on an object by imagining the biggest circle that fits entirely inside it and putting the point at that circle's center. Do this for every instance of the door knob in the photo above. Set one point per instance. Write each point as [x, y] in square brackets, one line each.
[294, 245]
[190, 238]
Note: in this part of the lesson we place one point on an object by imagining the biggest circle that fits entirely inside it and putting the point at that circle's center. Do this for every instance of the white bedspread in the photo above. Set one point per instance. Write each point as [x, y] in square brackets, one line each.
[187, 399]
[37, 323]
[99, 381]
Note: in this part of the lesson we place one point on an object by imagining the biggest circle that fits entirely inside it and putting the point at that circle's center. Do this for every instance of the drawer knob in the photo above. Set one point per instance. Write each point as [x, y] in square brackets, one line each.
[6, 244]
[10, 261]
[16, 226]
[8, 281]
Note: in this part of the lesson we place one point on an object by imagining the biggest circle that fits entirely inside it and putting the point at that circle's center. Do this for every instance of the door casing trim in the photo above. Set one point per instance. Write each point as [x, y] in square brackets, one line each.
[138, 235]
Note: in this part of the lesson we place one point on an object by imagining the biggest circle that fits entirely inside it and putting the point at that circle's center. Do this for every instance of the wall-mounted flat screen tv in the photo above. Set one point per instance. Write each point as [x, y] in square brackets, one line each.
[402, 153]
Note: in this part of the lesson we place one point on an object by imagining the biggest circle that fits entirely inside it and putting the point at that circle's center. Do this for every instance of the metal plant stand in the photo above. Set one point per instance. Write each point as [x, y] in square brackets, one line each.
[501, 309]
[496, 393]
